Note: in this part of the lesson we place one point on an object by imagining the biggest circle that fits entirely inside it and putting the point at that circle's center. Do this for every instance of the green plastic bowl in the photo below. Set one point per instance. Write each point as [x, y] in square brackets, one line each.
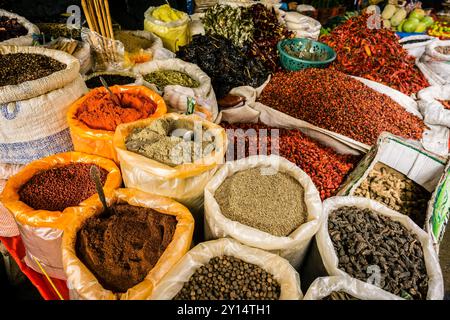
[291, 63]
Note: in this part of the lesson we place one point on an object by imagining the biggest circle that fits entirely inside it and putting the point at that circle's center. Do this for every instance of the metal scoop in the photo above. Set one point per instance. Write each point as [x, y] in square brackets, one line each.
[95, 176]
[114, 98]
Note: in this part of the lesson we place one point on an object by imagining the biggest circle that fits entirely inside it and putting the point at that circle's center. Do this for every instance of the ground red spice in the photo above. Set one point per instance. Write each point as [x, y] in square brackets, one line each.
[334, 101]
[61, 187]
[326, 168]
[374, 54]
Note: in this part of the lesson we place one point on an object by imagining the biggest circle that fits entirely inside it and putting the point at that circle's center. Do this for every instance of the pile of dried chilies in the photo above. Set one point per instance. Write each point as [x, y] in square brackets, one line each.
[326, 168]
[374, 54]
[337, 102]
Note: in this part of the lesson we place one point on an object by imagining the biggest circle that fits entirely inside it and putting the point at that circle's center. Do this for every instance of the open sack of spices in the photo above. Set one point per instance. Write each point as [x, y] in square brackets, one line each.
[176, 81]
[354, 110]
[326, 160]
[406, 178]
[265, 202]
[94, 118]
[434, 103]
[123, 253]
[46, 194]
[16, 30]
[173, 156]
[224, 269]
[345, 288]
[37, 86]
[112, 78]
[368, 241]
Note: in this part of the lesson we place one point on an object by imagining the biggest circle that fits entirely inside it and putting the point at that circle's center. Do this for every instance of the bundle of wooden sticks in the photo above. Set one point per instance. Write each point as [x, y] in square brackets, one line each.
[99, 20]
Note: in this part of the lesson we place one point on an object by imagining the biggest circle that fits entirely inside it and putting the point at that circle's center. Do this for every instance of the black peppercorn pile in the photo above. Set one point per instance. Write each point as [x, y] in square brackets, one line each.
[229, 278]
[363, 239]
[16, 68]
[11, 28]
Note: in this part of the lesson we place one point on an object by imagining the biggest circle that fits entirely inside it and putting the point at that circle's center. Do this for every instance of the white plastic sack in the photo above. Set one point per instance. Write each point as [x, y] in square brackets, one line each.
[8, 170]
[26, 40]
[33, 114]
[416, 49]
[176, 96]
[83, 54]
[157, 50]
[302, 26]
[433, 54]
[292, 247]
[323, 287]
[8, 226]
[330, 259]
[282, 271]
[432, 110]
[435, 66]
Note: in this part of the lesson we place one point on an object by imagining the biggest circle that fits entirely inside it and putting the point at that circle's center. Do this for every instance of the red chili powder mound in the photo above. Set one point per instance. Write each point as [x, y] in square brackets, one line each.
[326, 168]
[334, 101]
[121, 247]
[61, 187]
[99, 111]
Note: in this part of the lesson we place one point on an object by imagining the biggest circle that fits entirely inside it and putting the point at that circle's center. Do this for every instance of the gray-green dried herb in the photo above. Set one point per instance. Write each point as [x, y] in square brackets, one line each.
[165, 78]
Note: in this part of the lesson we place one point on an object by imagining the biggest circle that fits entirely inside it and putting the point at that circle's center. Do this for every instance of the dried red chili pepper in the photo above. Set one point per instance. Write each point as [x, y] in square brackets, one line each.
[445, 103]
[334, 101]
[374, 54]
[326, 168]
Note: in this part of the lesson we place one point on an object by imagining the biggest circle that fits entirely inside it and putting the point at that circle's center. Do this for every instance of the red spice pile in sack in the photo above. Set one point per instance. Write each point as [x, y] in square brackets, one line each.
[374, 54]
[59, 188]
[326, 168]
[334, 101]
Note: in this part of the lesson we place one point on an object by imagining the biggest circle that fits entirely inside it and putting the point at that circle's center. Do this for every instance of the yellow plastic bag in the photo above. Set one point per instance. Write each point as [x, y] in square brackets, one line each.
[174, 34]
[82, 282]
[100, 142]
[186, 182]
[41, 230]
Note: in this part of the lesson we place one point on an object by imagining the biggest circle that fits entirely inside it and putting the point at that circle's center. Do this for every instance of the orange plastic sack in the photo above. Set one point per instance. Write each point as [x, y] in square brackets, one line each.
[42, 230]
[100, 142]
[83, 284]
[186, 182]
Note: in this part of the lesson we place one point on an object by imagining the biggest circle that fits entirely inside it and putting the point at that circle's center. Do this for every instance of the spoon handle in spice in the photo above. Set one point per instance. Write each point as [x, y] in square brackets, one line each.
[95, 176]
[113, 96]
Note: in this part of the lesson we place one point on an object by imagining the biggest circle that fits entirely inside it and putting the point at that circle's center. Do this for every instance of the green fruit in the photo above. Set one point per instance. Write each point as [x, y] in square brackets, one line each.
[428, 21]
[417, 13]
[400, 26]
[421, 27]
[410, 25]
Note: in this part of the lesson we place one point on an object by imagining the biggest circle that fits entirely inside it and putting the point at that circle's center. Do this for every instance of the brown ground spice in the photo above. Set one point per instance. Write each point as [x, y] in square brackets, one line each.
[120, 248]
[61, 187]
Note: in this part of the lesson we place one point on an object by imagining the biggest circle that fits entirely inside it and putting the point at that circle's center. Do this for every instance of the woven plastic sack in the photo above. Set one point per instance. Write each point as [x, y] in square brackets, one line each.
[323, 287]
[8, 226]
[433, 54]
[303, 26]
[416, 49]
[173, 34]
[42, 230]
[281, 270]
[100, 142]
[156, 50]
[33, 114]
[83, 284]
[292, 247]
[433, 110]
[175, 95]
[184, 183]
[26, 40]
[330, 259]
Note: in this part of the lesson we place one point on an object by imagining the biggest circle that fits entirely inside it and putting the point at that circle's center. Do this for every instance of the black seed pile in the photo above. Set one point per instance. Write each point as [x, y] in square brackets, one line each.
[229, 278]
[11, 28]
[111, 80]
[362, 238]
[340, 295]
[16, 68]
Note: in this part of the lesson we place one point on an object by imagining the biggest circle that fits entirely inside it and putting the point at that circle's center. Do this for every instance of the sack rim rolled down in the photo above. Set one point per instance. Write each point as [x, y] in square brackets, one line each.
[177, 248]
[80, 131]
[162, 170]
[55, 219]
[31, 28]
[330, 262]
[254, 236]
[31, 89]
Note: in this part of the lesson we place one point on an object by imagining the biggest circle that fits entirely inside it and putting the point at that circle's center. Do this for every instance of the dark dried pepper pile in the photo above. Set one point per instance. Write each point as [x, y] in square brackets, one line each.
[363, 239]
[227, 65]
[11, 28]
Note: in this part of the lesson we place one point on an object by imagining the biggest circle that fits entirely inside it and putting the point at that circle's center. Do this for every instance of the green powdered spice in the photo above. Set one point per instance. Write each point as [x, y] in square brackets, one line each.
[131, 42]
[267, 201]
[157, 142]
[165, 78]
